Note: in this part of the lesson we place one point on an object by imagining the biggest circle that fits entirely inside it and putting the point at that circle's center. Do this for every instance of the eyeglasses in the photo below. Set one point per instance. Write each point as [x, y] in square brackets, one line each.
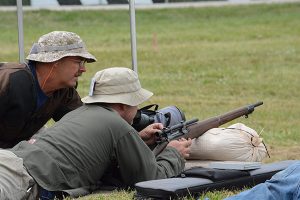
[80, 62]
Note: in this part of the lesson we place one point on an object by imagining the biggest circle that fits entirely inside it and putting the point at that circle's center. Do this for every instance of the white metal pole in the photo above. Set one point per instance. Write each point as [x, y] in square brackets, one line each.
[20, 31]
[133, 35]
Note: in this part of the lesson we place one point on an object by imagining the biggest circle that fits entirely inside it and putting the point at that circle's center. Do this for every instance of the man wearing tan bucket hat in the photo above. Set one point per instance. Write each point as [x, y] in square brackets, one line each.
[43, 88]
[94, 143]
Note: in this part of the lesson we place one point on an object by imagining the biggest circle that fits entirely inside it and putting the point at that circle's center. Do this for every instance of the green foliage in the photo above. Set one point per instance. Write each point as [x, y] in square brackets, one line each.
[206, 61]
[117, 1]
[69, 2]
[13, 2]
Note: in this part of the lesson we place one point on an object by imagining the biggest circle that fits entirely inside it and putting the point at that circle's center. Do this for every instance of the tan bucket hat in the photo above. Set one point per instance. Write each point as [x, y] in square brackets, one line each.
[117, 85]
[59, 44]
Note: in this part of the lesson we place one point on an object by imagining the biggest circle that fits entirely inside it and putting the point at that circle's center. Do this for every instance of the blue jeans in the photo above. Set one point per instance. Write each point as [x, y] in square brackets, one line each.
[284, 185]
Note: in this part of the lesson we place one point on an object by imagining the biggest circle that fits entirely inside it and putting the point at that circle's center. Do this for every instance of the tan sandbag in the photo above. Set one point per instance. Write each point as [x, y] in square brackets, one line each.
[237, 143]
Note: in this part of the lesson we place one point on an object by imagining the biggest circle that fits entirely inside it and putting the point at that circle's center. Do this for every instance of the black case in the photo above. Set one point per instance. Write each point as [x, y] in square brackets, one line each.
[196, 181]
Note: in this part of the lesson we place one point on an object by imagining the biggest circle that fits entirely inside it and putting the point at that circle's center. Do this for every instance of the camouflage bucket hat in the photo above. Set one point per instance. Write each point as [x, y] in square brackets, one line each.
[59, 44]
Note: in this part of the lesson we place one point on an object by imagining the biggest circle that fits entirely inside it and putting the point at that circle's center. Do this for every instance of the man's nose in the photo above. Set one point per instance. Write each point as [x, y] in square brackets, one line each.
[82, 69]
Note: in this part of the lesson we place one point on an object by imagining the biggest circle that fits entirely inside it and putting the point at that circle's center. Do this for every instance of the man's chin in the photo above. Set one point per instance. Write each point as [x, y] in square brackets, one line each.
[75, 80]
[73, 84]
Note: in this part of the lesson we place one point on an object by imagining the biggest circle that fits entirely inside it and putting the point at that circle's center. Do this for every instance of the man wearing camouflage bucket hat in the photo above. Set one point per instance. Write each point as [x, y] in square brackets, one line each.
[44, 88]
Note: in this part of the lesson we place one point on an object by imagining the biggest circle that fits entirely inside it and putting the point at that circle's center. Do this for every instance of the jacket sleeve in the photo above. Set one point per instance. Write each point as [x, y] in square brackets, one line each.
[17, 102]
[137, 162]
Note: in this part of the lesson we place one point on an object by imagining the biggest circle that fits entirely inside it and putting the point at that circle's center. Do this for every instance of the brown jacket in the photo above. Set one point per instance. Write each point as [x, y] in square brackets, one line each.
[19, 118]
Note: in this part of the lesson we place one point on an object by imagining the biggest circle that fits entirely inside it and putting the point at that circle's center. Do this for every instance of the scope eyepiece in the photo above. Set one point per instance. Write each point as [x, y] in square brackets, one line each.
[141, 121]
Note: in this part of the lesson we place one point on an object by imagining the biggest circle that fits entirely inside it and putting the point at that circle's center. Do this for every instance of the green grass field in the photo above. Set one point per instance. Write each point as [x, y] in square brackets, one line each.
[206, 61]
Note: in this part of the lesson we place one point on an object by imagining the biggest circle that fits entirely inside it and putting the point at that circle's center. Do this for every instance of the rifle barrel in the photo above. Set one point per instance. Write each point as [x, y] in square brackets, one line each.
[258, 104]
[201, 127]
[197, 129]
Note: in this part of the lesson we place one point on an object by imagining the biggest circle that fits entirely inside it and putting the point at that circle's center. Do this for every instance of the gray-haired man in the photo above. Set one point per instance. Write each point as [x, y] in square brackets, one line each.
[43, 88]
[90, 142]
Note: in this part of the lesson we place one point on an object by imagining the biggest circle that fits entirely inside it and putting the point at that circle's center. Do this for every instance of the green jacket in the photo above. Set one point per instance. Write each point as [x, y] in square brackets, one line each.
[88, 142]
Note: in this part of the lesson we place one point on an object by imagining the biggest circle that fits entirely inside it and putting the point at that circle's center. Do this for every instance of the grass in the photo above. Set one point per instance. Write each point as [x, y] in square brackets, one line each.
[206, 61]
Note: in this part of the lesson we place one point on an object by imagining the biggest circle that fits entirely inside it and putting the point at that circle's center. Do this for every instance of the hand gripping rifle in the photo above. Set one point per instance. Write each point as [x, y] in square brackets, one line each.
[193, 129]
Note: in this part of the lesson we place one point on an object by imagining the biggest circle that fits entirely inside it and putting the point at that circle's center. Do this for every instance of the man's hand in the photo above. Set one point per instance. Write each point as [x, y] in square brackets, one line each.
[182, 145]
[148, 134]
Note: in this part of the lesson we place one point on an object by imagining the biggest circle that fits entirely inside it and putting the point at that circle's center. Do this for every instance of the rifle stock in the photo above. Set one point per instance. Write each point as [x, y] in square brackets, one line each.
[199, 128]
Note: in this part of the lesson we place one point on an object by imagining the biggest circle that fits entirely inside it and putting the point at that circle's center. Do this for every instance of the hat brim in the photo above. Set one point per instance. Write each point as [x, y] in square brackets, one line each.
[132, 99]
[54, 56]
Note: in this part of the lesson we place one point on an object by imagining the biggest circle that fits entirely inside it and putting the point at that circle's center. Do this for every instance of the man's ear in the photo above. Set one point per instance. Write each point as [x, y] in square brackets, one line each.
[123, 107]
[120, 108]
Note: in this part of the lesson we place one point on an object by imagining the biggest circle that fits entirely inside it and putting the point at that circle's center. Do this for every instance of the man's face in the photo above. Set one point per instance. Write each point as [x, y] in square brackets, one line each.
[69, 69]
[130, 113]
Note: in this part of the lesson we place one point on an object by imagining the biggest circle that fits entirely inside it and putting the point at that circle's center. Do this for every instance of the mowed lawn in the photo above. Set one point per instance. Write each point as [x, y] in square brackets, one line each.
[206, 61]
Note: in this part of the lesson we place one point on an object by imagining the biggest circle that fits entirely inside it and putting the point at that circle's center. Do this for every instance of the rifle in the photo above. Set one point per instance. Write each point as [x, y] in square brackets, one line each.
[193, 129]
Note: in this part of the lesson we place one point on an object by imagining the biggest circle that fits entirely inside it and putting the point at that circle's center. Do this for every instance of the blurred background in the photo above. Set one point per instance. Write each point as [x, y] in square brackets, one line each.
[46, 3]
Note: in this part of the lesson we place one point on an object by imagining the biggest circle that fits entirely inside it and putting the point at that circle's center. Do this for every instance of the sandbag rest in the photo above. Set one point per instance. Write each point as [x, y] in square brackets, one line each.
[198, 180]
